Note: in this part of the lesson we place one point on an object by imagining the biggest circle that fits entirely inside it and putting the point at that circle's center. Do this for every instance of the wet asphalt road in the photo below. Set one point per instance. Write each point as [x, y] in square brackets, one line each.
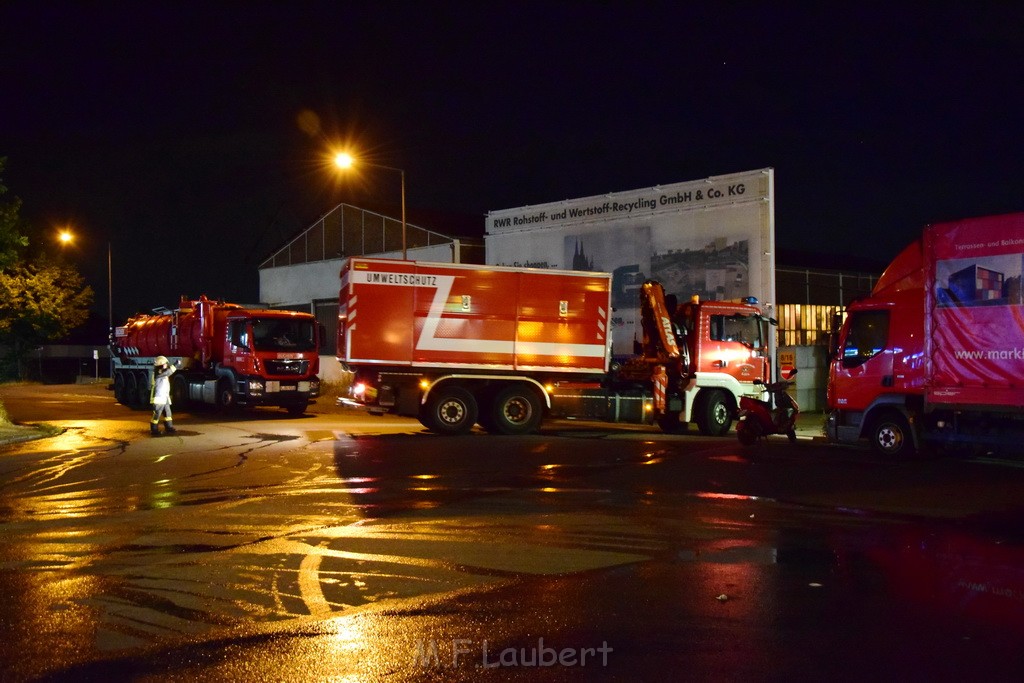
[344, 547]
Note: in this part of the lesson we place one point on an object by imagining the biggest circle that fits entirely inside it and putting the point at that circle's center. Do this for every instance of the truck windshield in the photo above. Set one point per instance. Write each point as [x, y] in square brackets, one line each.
[284, 334]
[745, 329]
[868, 333]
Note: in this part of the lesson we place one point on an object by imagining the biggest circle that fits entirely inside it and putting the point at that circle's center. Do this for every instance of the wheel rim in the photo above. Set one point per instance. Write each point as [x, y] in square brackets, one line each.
[890, 438]
[719, 413]
[517, 411]
[451, 412]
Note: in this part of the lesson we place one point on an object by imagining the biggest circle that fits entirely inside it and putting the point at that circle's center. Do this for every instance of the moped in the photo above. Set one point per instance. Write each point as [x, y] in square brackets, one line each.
[777, 415]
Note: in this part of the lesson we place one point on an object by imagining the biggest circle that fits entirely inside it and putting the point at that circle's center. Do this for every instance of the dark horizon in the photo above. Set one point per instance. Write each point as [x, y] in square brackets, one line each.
[195, 140]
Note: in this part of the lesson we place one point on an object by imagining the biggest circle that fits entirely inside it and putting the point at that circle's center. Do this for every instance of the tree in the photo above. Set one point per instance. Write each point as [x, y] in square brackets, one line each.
[40, 301]
[12, 238]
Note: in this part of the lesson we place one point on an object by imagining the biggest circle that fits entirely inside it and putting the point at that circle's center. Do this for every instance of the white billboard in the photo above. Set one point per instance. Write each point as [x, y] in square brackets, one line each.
[713, 237]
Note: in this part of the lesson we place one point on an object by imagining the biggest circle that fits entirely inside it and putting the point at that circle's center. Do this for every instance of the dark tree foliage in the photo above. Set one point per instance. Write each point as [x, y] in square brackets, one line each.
[41, 300]
[12, 236]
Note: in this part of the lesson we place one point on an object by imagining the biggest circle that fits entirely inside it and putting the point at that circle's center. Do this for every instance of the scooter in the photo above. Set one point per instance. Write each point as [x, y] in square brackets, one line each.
[777, 415]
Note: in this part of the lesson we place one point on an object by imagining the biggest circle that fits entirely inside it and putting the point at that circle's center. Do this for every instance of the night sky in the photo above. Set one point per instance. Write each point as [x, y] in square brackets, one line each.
[192, 136]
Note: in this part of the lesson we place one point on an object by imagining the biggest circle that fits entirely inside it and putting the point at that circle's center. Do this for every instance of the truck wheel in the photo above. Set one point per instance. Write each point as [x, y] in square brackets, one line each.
[119, 388]
[890, 435]
[226, 395]
[297, 410]
[450, 410]
[516, 410]
[130, 389]
[671, 424]
[142, 389]
[713, 415]
[179, 391]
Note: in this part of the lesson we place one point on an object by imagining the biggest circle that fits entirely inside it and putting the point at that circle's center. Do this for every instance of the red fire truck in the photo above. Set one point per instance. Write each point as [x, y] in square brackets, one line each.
[225, 355]
[457, 345]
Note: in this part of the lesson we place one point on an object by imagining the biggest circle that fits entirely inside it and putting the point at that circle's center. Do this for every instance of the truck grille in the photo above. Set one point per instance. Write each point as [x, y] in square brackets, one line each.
[287, 367]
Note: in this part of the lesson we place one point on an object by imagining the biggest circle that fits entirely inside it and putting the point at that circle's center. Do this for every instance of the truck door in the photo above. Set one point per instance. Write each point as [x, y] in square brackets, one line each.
[863, 366]
[734, 346]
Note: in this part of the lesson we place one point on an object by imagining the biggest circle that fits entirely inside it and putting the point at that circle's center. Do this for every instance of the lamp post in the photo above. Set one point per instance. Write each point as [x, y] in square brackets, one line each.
[110, 302]
[345, 161]
[67, 237]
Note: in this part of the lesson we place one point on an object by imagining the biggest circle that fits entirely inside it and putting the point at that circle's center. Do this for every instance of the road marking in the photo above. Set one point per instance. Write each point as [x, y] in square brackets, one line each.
[309, 583]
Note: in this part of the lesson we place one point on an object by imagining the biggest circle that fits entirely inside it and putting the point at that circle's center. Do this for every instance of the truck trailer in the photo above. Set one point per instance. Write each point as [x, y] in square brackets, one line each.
[225, 354]
[456, 345]
[935, 355]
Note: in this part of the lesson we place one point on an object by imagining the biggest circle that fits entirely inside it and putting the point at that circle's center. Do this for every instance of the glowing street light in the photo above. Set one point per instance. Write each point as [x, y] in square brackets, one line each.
[67, 237]
[345, 161]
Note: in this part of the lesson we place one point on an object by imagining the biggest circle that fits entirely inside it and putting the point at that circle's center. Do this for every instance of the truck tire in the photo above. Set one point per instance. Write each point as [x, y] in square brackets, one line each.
[119, 388]
[891, 437]
[713, 415]
[226, 399]
[450, 410]
[670, 423]
[516, 410]
[131, 390]
[179, 391]
[297, 409]
[143, 390]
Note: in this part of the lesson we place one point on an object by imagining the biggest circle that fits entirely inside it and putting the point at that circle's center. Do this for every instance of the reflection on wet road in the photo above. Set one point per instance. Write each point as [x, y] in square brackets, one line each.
[376, 556]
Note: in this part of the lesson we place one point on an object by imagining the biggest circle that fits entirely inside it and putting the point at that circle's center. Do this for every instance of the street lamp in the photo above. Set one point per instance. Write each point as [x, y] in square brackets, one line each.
[345, 161]
[110, 304]
[67, 237]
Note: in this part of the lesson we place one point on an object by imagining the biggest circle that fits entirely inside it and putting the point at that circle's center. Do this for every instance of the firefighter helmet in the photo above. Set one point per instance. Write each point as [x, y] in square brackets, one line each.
[160, 360]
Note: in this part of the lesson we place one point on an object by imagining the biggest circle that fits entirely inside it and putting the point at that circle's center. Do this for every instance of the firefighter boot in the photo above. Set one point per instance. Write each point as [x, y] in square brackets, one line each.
[154, 429]
[169, 427]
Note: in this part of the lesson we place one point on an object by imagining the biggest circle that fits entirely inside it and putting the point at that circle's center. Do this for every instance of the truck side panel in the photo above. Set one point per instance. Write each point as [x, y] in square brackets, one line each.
[975, 317]
[379, 306]
[562, 322]
[403, 313]
[465, 317]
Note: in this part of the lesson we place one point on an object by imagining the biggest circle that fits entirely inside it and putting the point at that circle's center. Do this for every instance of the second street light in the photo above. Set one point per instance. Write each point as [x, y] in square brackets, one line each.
[345, 161]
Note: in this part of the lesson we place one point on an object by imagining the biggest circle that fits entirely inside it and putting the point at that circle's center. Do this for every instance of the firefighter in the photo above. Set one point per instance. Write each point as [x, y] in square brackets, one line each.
[160, 396]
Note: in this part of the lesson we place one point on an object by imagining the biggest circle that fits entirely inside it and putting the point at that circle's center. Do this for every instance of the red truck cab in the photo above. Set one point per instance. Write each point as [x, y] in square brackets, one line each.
[935, 354]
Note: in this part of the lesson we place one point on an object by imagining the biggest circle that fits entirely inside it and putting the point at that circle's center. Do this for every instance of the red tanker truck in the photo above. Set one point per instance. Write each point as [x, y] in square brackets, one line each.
[935, 355]
[226, 355]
